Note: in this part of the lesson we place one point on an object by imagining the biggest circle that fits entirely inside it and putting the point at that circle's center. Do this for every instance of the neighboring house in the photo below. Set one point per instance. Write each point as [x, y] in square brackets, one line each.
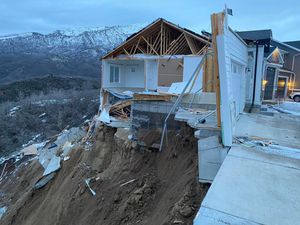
[275, 69]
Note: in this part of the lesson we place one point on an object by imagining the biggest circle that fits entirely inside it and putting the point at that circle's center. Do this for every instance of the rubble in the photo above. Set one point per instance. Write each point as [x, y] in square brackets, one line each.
[52, 166]
[128, 186]
[2, 211]
[30, 150]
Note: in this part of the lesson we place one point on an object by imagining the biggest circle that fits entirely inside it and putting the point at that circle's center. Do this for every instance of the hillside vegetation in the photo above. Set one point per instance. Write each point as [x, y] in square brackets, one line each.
[34, 110]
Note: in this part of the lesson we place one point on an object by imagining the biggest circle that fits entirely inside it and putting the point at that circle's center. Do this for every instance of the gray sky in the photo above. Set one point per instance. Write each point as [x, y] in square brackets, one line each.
[18, 16]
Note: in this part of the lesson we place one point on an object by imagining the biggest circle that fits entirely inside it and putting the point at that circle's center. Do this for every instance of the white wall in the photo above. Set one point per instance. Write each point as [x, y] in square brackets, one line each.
[128, 78]
[231, 49]
[151, 68]
[190, 63]
[135, 78]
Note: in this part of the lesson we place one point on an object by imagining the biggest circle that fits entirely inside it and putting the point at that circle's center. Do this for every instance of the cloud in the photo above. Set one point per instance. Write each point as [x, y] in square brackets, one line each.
[48, 15]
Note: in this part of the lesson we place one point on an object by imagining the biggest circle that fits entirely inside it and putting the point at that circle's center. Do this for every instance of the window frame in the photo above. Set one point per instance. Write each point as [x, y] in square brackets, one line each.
[113, 75]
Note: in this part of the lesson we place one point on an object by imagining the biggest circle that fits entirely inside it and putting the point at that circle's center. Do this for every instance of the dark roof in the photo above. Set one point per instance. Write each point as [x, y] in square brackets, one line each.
[270, 50]
[254, 35]
[284, 46]
[203, 36]
[295, 44]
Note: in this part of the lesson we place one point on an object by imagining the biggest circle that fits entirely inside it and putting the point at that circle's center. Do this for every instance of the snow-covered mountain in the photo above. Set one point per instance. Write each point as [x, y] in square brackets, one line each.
[72, 52]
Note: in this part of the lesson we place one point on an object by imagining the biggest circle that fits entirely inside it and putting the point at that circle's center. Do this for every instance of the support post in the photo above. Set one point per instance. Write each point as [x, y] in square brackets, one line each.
[217, 20]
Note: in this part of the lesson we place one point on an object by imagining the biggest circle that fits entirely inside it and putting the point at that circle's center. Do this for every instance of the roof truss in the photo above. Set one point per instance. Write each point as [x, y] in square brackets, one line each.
[162, 38]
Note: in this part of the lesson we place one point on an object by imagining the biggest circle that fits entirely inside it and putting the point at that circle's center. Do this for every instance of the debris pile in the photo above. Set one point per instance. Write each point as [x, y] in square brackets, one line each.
[115, 182]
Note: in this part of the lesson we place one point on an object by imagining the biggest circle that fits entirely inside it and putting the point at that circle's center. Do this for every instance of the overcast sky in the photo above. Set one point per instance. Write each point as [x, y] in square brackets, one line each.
[18, 16]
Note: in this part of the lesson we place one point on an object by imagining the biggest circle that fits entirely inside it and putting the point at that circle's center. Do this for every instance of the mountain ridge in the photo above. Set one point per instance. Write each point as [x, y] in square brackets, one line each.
[70, 52]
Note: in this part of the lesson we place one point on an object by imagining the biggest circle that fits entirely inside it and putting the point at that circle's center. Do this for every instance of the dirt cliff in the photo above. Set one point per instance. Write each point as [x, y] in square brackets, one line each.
[133, 185]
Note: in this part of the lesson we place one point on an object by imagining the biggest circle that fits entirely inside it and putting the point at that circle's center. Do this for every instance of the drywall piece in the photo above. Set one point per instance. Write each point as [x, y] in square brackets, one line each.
[2, 211]
[190, 64]
[253, 187]
[211, 156]
[53, 165]
[72, 135]
[30, 150]
[177, 88]
[104, 116]
[67, 147]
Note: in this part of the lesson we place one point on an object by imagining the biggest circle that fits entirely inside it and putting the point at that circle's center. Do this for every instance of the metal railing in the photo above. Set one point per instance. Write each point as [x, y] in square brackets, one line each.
[178, 100]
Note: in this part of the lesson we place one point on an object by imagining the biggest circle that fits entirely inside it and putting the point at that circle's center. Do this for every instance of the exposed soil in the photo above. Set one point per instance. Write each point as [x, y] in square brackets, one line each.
[132, 185]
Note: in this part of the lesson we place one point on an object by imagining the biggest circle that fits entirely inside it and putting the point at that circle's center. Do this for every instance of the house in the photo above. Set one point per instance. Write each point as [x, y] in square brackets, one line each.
[275, 66]
[149, 62]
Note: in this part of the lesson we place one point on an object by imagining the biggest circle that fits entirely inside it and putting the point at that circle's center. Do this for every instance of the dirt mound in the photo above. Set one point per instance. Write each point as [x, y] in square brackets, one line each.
[133, 186]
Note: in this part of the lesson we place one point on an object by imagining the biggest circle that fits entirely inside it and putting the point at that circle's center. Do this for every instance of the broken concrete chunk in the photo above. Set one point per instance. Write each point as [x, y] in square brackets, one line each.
[186, 211]
[53, 165]
[104, 116]
[43, 181]
[72, 135]
[2, 211]
[67, 147]
[30, 150]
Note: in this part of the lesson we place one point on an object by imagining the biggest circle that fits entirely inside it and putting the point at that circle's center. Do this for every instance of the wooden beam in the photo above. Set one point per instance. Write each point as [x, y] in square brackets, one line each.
[142, 50]
[150, 45]
[208, 82]
[174, 43]
[217, 29]
[136, 46]
[202, 50]
[175, 47]
[190, 44]
[157, 40]
[127, 53]
[161, 38]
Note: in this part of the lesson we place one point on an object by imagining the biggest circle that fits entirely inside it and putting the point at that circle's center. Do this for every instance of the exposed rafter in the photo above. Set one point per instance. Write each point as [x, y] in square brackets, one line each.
[162, 38]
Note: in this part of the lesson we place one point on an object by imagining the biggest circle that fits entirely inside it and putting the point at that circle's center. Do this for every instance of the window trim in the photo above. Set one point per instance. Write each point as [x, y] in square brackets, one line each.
[112, 76]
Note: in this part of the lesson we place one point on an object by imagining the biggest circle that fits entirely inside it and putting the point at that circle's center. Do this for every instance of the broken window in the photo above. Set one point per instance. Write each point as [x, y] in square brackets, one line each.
[114, 74]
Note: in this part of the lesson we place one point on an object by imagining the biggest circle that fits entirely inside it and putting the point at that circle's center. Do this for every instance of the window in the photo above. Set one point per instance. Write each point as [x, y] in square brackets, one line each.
[114, 74]
[132, 69]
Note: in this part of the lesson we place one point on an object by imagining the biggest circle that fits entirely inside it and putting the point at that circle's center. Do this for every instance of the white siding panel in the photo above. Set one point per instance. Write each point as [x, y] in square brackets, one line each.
[231, 52]
[190, 63]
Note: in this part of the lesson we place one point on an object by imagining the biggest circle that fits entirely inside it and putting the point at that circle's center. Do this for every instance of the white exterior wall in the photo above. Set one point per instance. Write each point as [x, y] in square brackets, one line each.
[128, 78]
[190, 63]
[231, 50]
[146, 73]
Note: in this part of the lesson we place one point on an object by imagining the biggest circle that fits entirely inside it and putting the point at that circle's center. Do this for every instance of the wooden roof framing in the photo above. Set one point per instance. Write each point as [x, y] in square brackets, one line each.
[162, 38]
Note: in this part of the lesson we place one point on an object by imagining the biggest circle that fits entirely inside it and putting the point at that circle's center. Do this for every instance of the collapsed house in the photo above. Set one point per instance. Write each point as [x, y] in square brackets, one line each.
[166, 74]
[148, 64]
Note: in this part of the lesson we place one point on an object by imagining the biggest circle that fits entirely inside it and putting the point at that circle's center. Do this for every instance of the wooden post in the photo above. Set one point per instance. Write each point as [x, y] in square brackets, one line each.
[208, 82]
[217, 20]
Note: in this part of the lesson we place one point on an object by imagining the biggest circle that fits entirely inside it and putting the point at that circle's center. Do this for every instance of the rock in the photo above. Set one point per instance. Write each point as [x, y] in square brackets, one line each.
[186, 211]
[134, 145]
